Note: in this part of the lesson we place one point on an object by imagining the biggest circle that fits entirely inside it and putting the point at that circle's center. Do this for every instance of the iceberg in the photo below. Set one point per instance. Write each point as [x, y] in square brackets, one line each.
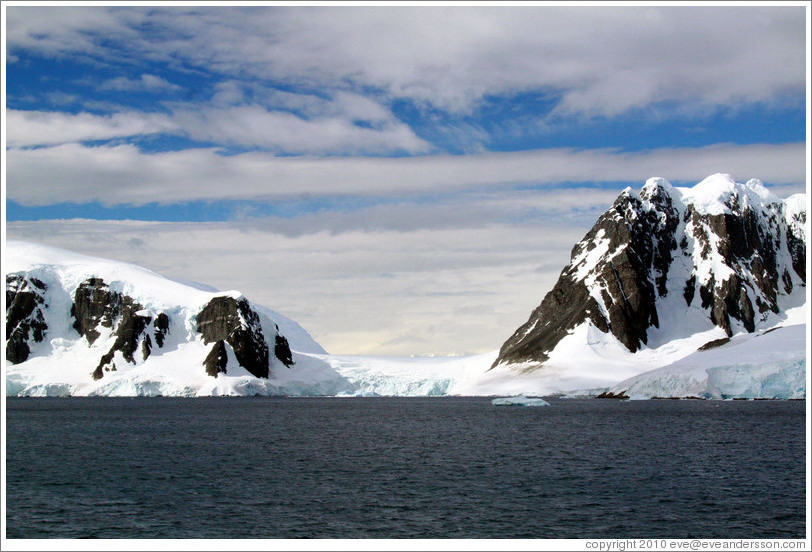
[519, 401]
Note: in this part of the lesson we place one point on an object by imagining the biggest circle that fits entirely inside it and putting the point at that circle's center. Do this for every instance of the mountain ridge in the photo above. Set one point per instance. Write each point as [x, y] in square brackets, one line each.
[729, 249]
[146, 335]
[107, 316]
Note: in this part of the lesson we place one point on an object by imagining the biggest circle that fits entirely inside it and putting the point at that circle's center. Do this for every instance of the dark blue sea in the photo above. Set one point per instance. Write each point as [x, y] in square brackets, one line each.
[403, 468]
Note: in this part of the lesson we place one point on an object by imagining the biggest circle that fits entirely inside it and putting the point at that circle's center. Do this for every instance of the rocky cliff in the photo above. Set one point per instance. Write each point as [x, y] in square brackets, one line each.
[25, 319]
[121, 330]
[226, 320]
[732, 250]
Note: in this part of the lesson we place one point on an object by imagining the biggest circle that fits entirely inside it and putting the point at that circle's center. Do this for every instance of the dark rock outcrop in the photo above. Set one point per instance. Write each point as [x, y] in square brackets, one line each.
[631, 249]
[161, 328]
[610, 395]
[96, 306]
[714, 343]
[217, 359]
[620, 270]
[282, 350]
[228, 320]
[796, 243]
[25, 318]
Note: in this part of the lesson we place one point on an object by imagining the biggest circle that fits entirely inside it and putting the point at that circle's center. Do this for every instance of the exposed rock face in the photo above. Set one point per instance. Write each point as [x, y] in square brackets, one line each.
[25, 319]
[741, 252]
[217, 359]
[228, 320]
[126, 332]
[282, 350]
[161, 328]
[96, 307]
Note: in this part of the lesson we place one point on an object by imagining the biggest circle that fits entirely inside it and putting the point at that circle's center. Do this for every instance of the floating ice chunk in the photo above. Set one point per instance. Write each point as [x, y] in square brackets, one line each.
[521, 400]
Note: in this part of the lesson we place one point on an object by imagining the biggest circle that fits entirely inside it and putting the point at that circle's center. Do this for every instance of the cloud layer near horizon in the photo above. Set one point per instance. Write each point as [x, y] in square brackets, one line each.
[115, 175]
[416, 292]
[452, 276]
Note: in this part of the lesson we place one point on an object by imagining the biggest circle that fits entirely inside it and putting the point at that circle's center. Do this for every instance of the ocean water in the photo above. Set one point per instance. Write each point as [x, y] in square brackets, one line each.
[403, 468]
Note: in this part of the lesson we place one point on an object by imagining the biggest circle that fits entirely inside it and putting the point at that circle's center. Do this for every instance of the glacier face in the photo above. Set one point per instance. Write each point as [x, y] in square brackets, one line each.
[665, 263]
[767, 364]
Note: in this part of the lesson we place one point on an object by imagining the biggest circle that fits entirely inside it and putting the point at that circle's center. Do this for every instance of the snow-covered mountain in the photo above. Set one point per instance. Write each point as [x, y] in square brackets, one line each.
[96, 326]
[670, 269]
[676, 292]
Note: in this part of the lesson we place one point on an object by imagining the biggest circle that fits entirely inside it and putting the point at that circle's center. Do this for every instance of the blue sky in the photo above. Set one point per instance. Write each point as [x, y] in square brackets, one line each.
[329, 132]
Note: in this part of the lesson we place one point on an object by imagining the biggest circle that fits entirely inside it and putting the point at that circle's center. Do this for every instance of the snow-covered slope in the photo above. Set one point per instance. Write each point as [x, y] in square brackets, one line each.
[81, 325]
[664, 271]
[70, 269]
[54, 358]
[767, 364]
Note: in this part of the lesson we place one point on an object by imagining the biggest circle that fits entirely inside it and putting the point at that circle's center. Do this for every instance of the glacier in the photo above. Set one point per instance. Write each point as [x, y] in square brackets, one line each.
[766, 365]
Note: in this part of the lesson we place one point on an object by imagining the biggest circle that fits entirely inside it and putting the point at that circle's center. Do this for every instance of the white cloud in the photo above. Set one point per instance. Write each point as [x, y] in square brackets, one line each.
[282, 131]
[146, 83]
[293, 124]
[348, 105]
[124, 175]
[61, 98]
[459, 211]
[438, 291]
[37, 128]
[60, 30]
[600, 60]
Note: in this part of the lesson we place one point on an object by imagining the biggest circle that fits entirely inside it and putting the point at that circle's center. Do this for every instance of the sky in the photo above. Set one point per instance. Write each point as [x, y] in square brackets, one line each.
[400, 179]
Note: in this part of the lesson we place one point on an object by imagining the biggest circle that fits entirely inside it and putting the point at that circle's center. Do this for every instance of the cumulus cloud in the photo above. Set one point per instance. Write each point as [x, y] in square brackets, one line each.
[123, 175]
[596, 60]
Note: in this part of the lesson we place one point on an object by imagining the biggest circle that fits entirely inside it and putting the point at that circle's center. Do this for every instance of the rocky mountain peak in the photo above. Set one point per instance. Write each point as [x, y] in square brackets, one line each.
[656, 190]
[727, 248]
